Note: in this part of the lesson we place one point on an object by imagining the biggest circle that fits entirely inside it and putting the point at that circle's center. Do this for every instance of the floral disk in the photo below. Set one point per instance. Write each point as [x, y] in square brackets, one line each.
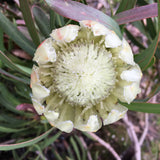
[81, 74]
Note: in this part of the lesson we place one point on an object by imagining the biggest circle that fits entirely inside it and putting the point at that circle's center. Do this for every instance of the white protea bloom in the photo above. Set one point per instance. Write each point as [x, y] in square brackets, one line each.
[81, 73]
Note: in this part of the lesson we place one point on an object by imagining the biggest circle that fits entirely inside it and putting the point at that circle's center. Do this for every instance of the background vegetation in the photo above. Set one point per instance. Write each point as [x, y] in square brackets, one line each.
[24, 135]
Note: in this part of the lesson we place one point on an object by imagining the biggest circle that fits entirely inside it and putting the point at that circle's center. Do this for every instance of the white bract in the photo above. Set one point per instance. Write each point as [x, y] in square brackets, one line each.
[81, 73]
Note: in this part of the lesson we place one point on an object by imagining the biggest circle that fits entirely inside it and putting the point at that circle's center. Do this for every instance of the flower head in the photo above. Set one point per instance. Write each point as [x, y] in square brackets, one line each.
[82, 72]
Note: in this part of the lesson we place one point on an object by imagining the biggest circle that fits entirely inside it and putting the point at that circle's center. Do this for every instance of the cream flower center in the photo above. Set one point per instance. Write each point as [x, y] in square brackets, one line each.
[84, 73]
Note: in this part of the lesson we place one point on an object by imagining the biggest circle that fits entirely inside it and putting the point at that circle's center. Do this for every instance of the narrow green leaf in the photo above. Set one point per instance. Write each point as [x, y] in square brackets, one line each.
[2, 48]
[10, 130]
[152, 62]
[144, 107]
[23, 90]
[137, 14]
[24, 155]
[153, 92]
[15, 155]
[24, 69]
[7, 147]
[125, 5]
[141, 2]
[9, 101]
[158, 15]
[70, 153]
[68, 158]
[140, 26]
[13, 120]
[10, 45]
[26, 81]
[88, 136]
[42, 20]
[84, 2]
[9, 96]
[55, 153]
[59, 20]
[151, 28]
[75, 147]
[9, 106]
[133, 39]
[25, 9]
[78, 12]
[11, 30]
[40, 152]
[49, 141]
[69, 22]
[52, 19]
[17, 60]
[145, 58]
[82, 148]
[11, 65]
[96, 155]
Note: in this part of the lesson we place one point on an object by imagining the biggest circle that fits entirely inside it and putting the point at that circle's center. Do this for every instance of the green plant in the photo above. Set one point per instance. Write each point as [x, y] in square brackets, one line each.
[19, 122]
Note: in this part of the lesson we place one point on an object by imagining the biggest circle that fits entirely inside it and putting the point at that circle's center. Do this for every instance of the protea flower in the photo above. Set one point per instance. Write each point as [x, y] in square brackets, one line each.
[81, 74]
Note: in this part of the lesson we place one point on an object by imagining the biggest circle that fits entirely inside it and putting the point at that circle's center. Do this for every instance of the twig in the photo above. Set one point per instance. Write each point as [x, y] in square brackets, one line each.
[133, 137]
[85, 146]
[145, 130]
[106, 145]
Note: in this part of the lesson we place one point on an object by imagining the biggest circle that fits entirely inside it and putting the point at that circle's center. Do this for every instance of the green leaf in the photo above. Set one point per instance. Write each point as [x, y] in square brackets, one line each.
[6, 147]
[42, 21]
[151, 28]
[11, 30]
[78, 12]
[9, 106]
[82, 148]
[24, 69]
[23, 80]
[69, 150]
[15, 155]
[84, 2]
[88, 136]
[140, 26]
[9, 130]
[40, 152]
[143, 107]
[158, 15]
[52, 19]
[4, 92]
[24, 6]
[24, 155]
[55, 153]
[145, 58]
[13, 120]
[75, 147]
[152, 62]
[59, 20]
[137, 14]
[9, 101]
[125, 5]
[155, 89]
[13, 66]
[141, 2]
[17, 60]
[2, 48]
[49, 141]
[23, 90]
[133, 39]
